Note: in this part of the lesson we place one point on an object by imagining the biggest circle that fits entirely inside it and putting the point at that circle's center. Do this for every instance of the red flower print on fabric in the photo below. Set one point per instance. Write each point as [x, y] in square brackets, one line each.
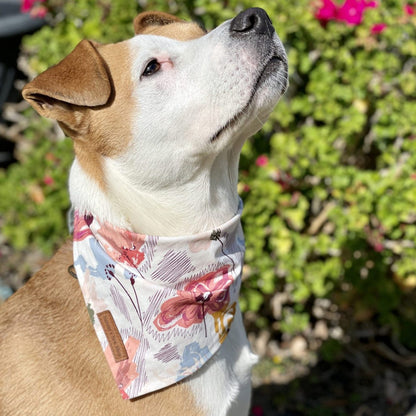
[124, 372]
[207, 295]
[122, 245]
[82, 226]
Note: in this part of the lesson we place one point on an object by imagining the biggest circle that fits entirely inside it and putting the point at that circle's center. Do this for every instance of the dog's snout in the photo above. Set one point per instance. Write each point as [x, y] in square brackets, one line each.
[254, 20]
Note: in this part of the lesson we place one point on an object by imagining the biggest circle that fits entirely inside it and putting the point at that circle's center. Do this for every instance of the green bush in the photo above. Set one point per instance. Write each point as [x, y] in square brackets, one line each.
[333, 207]
[33, 194]
[329, 184]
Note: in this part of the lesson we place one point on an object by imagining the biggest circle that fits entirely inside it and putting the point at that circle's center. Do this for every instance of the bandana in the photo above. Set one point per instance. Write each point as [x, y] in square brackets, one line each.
[160, 306]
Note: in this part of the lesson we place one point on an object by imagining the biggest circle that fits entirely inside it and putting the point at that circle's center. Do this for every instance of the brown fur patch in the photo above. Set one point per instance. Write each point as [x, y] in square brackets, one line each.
[89, 94]
[164, 24]
[107, 129]
[178, 31]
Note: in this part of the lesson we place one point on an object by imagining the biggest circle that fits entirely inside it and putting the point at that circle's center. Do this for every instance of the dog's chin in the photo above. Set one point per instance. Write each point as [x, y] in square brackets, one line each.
[268, 88]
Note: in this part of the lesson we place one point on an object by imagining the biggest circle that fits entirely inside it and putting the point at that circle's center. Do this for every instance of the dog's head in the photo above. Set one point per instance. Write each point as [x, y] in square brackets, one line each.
[158, 107]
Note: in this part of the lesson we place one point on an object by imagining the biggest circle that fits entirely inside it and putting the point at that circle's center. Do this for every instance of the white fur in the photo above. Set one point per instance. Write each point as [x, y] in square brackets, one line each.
[223, 386]
[174, 180]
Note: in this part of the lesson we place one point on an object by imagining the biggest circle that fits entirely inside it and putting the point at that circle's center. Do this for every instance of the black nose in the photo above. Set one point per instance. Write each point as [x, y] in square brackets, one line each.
[254, 20]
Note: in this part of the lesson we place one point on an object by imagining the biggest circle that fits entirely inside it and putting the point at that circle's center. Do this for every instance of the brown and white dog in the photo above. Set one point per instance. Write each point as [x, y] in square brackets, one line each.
[157, 122]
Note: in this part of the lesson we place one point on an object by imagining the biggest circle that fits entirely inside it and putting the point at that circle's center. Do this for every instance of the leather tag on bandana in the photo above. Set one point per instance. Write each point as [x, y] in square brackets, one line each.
[113, 336]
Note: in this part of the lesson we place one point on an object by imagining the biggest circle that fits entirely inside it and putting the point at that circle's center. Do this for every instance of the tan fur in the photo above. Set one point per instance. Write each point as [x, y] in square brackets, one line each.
[51, 362]
[113, 117]
[76, 70]
[89, 118]
[163, 24]
[51, 359]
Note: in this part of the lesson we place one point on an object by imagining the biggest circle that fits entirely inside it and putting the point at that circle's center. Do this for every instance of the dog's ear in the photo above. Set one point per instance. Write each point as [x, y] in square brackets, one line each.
[81, 79]
[164, 24]
[148, 21]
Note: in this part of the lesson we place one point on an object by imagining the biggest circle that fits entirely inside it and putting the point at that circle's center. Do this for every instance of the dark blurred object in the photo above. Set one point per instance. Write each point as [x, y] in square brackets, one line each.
[13, 26]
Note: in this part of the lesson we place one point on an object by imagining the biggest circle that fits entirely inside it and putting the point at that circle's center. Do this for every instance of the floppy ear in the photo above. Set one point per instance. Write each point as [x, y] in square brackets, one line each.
[81, 79]
[145, 22]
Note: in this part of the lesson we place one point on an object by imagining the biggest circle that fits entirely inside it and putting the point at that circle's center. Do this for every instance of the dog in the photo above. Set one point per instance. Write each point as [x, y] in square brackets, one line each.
[157, 122]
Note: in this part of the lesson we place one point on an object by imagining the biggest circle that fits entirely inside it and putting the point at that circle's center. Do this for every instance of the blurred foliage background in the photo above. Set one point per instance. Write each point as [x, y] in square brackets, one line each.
[329, 184]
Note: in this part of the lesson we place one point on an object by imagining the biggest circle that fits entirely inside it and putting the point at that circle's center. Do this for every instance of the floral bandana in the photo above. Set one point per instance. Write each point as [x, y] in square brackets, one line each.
[161, 306]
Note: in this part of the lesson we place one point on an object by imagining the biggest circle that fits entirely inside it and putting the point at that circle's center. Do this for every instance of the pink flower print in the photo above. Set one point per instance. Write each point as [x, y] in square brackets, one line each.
[82, 226]
[199, 245]
[122, 245]
[131, 255]
[124, 372]
[208, 294]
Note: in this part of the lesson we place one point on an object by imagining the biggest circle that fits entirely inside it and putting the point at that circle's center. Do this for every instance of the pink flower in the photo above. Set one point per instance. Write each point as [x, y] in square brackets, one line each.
[208, 294]
[378, 28]
[378, 246]
[351, 12]
[262, 160]
[327, 12]
[409, 9]
[39, 11]
[48, 180]
[27, 5]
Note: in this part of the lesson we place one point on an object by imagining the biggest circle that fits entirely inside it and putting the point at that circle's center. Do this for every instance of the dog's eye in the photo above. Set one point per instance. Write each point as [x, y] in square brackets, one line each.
[152, 67]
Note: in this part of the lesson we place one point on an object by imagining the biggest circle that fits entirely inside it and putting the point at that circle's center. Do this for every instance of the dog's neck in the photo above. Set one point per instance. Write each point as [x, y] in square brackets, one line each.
[199, 205]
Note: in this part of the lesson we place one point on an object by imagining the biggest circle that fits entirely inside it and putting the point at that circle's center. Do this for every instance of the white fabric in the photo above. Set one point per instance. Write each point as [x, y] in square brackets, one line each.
[172, 299]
